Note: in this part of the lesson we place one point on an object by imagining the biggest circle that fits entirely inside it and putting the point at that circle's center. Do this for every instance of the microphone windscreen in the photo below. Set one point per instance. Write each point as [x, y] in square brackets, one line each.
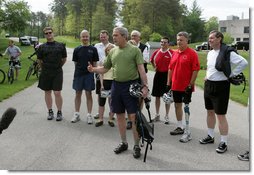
[7, 118]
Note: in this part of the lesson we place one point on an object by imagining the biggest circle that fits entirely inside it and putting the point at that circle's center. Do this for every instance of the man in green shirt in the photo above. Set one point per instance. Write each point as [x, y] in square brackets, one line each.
[127, 64]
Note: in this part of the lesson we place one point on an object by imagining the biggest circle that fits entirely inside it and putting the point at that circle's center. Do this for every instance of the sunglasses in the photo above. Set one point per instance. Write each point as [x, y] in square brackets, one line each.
[48, 33]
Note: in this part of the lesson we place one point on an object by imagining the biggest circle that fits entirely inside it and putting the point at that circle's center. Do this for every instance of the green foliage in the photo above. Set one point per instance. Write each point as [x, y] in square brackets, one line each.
[211, 24]
[227, 38]
[155, 37]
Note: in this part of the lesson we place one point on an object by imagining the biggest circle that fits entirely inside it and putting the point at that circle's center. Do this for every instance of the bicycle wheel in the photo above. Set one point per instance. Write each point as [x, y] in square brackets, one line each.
[29, 72]
[10, 76]
[2, 76]
[38, 71]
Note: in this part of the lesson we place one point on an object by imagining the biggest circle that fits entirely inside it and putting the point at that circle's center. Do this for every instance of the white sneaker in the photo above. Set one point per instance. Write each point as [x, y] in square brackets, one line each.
[96, 116]
[186, 137]
[156, 118]
[89, 119]
[166, 120]
[75, 118]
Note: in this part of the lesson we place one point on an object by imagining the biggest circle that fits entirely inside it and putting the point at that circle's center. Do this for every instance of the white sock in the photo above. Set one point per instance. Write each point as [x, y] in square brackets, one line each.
[211, 132]
[180, 124]
[224, 138]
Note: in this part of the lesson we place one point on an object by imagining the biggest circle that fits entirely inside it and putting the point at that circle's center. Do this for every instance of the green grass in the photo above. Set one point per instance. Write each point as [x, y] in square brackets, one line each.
[8, 90]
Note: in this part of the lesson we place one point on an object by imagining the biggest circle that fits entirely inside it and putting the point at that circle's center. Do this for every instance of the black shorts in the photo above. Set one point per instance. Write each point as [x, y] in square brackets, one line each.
[51, 81]
[180, 97]
[159, 84]
[107, 86]
[216, 95]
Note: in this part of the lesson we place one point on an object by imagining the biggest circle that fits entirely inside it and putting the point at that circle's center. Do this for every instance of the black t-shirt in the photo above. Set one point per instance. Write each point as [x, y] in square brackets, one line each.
[51, 54]
[82, 55]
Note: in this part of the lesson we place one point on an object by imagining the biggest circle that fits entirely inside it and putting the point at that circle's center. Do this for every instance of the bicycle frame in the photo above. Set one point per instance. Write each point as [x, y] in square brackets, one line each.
[10, 73]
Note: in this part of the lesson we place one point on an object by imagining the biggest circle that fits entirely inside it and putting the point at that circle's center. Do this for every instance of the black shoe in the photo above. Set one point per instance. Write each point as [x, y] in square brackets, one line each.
[206, 140]
[50, 115]
[111, 123]
[244, 157]
[121, 147]
[59, 116]
[222, 147]
[129, 125]
[99, 123]
[136, 151]
[177, 131]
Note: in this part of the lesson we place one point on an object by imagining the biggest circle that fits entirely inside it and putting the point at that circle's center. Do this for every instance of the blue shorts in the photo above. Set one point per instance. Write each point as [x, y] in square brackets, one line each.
[85, 82]
[121, 100]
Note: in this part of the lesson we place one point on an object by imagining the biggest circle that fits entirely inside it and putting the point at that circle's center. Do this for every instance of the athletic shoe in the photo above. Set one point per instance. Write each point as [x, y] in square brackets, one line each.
[206, 140]
[96, 116]
[156, 118]
[76, 117]
[50, 115]
[222, 147]
[89, 119]
[59, 116]
[136, 151]
[129, 125]
[177, 131]
[99, 123]
[166, 120]
[244, 157]
[111, 123]
[121, 147]
[186, 137]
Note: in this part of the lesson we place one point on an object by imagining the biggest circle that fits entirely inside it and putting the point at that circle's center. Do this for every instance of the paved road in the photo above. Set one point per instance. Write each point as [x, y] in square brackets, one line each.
[33, 143]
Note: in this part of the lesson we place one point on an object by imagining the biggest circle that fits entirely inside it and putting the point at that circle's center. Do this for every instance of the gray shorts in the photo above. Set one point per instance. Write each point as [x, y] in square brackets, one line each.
[85, 82]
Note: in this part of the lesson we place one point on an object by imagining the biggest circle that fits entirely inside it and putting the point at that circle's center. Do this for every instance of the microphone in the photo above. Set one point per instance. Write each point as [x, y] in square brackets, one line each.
[7, 118]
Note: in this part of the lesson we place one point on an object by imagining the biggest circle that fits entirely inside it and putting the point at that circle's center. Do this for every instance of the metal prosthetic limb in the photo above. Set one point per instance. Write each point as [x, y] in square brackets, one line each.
[187, 117]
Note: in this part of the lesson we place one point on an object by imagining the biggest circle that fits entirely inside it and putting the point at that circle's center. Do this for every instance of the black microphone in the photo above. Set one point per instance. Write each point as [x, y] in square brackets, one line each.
[7, 118]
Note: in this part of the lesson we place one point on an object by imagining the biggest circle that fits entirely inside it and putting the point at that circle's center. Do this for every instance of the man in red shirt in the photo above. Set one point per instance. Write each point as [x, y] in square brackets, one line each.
[160, 60]
[182, 73]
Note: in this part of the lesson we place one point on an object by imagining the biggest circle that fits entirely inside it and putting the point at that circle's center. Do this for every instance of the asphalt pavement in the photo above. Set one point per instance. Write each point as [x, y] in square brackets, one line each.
[34, 143]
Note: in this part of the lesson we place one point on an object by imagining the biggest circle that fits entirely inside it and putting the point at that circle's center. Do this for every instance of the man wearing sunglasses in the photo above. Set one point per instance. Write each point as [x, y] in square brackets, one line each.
[52, 56]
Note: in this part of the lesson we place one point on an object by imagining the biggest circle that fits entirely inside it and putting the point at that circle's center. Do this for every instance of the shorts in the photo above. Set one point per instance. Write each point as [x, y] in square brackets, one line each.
[84, 82]
[107, 86]
[121, 100]
[159, 84]
[181, 97]
[216, 96]
[51, 81]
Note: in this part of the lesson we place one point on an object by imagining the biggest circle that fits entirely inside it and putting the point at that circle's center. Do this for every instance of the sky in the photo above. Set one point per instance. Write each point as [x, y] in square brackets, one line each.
[219, 8]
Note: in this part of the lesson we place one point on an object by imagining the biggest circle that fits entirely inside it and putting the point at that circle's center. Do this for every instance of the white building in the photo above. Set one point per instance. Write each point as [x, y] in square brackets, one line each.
[237, 28]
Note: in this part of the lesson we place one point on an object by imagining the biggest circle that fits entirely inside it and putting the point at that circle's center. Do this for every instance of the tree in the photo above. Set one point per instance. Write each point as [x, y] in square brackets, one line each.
[211, 24]
[227, 38]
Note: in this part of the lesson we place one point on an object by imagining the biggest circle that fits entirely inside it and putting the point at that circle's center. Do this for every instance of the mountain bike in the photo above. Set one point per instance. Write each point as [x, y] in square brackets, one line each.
[10, 73]
[34, 68]
[2, 76]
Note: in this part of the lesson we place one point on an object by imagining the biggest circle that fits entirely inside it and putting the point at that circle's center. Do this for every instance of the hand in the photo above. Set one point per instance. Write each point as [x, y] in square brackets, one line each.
[167, 88]
[144, 91]
[237, 79]
[188, 89]
[89, 67]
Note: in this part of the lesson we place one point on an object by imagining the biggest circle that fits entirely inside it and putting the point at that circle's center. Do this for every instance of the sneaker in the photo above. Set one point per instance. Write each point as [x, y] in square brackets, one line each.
[166, 120]
[59, 116]
[121, 147]
[99, 123]
[89, 119]
[156, 118]
[177, 131]
[206, 140]
[129, 125]
[76, 118]
[50, 115]
[136, 151]
[244, 157]
[96, 116]
[222, 147]
[111, 123]
[186, 137]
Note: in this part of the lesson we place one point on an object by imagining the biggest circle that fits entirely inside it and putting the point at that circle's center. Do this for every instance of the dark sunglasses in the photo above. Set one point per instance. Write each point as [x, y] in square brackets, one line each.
[48, 33]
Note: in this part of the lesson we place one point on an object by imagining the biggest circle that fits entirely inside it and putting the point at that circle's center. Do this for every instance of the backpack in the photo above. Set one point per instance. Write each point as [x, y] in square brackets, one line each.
[144, 128]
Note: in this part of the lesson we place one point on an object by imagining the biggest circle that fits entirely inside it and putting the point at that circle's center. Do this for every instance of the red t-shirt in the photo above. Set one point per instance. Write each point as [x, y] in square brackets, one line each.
[182, 66]
[161, 59]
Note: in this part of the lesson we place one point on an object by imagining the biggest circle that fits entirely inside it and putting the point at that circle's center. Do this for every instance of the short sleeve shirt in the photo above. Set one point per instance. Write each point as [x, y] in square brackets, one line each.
[161, 59]
[82, 55]
[13, 51]
[124, 63]
[182, 66]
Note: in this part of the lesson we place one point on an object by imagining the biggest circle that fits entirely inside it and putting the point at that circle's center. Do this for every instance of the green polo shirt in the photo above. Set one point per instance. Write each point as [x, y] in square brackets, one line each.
[123, 62]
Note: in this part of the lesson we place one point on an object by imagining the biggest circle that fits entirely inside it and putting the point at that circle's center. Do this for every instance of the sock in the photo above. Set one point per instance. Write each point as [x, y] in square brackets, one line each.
[224, 138]
[123, 138]
[211, 132]
[180, 124]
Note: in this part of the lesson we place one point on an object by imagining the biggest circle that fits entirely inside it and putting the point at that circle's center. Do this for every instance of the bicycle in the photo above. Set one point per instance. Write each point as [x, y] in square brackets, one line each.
[10, 73]
[2, 76]
[34, 67]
